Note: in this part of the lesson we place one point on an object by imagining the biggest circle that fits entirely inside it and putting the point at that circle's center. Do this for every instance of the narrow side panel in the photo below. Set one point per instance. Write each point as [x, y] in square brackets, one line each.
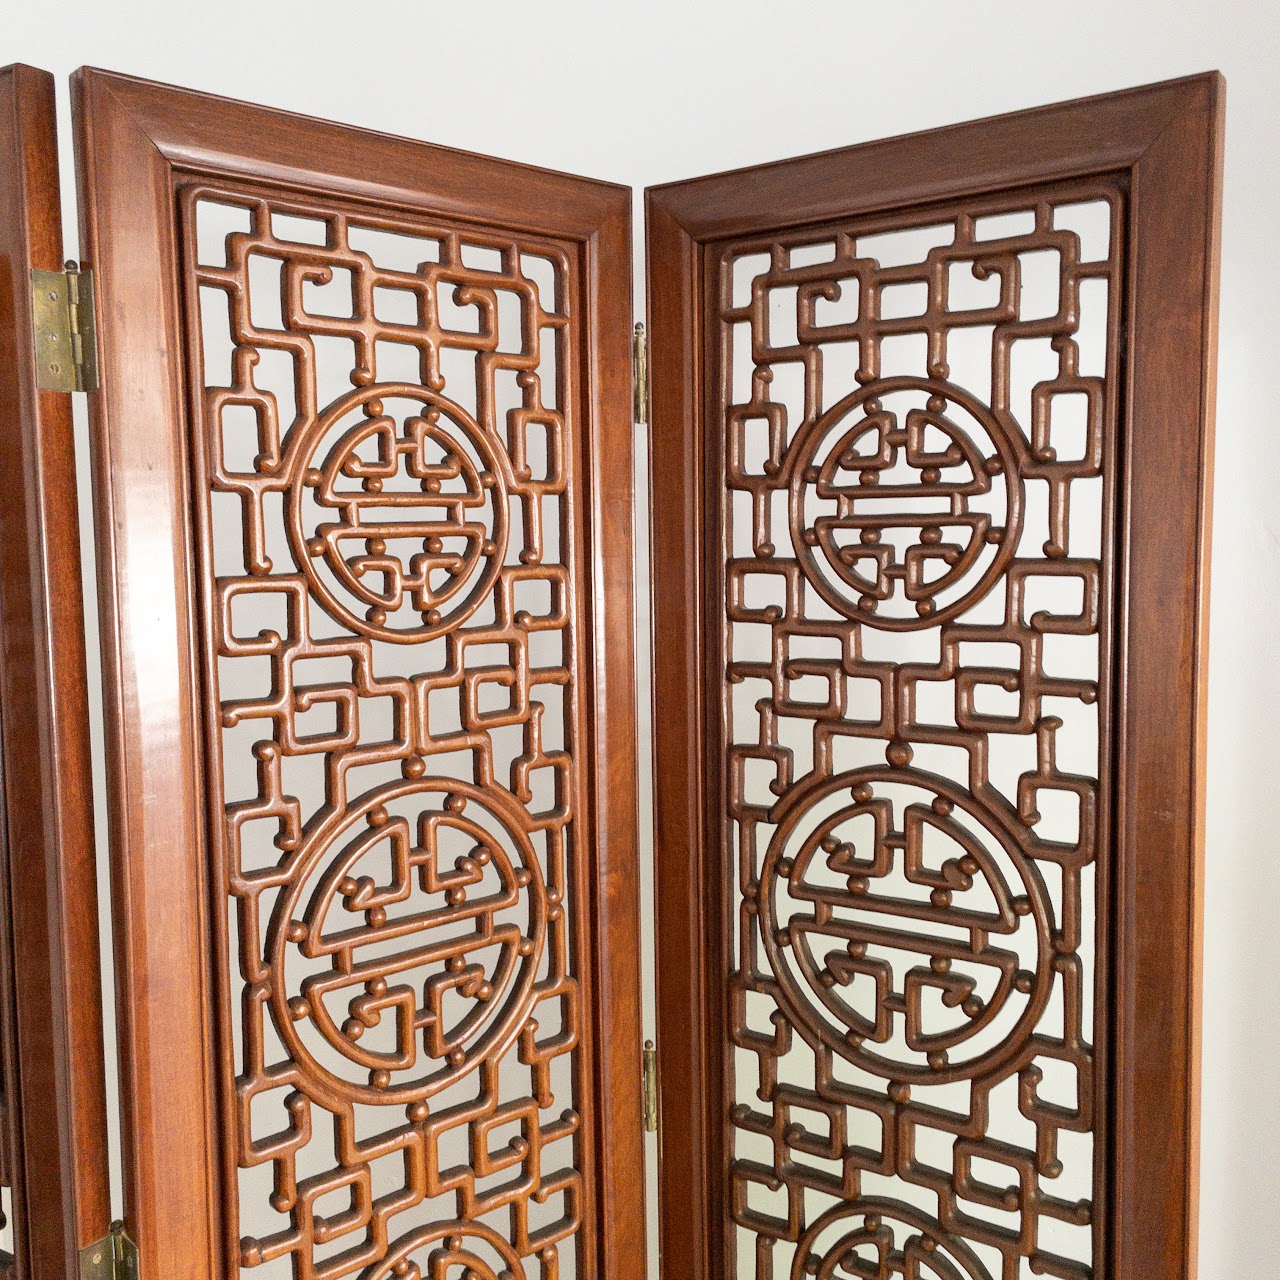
[51, 1019]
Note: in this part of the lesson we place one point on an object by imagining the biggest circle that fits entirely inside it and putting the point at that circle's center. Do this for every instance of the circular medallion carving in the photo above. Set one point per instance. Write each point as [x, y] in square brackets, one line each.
[398, 512]
[405, 947]
[451, 1251]
[905, 503]
[882, 1238]
[905, 926]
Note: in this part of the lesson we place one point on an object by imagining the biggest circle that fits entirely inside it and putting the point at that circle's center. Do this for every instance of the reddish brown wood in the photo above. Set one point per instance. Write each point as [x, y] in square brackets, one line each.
[148, 156]
[1159, 149]
[55, 1105]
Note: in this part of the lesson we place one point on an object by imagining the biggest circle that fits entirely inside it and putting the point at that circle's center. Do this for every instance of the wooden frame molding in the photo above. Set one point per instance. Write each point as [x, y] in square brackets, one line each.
[1162, 145]
[136, 142]
[54, 1115]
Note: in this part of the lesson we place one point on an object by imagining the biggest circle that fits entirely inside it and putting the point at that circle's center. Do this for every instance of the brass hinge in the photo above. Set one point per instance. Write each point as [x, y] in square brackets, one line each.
[114, 1257]
[62, 315]
[650, 1087]
[640, 376]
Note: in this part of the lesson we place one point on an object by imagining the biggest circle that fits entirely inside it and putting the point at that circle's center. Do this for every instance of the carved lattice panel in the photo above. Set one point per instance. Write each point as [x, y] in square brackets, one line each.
[918, 441]
[384, 458]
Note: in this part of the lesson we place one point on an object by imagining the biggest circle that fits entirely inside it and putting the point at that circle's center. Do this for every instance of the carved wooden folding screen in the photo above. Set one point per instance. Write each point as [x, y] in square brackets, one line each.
[930, 424]
[929, 459]
[363, 493]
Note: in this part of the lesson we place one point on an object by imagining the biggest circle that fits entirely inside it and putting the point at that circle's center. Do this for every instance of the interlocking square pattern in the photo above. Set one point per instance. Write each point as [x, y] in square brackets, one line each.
[917, 484]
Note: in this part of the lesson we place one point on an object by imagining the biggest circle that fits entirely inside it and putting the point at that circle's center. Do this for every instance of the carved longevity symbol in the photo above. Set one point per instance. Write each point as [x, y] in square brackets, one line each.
[401, 525]
[445, 973]
[452, 1251]
[913, 918]
[888, 520]
[881, 1240]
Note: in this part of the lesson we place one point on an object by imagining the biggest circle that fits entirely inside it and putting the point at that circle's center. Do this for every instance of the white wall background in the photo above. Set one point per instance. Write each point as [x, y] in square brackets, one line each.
[649, 92]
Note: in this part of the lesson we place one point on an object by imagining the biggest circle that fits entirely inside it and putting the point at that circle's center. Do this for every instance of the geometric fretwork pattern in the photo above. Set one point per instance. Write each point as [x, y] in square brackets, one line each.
[918, 468]
[383, 470]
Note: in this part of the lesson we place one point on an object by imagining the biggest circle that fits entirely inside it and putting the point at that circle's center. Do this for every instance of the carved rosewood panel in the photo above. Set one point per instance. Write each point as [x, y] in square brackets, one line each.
[917, 428]
[384, 454]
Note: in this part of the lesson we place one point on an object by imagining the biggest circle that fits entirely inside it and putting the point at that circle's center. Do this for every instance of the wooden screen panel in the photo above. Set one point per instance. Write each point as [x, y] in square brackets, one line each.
[53, 1139]
[394, 498]
[904, 510]
[915, 687]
